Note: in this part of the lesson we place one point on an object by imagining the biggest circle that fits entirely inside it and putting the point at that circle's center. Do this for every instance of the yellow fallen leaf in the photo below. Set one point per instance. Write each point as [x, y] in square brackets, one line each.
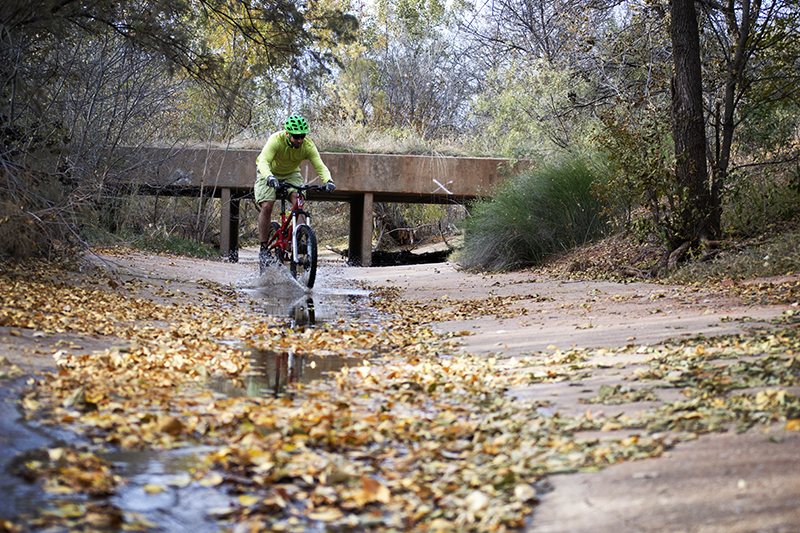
[58, 489]
[440, 524]
[793, 424]
[247, 500]
[212, 480]
[476, 501]
[372, 490]
[630, 441]
[326, 515]
[154, 489]
[170, 425]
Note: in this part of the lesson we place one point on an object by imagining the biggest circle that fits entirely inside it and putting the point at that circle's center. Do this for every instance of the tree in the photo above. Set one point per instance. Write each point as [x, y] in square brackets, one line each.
[755, 47]
[691, 174]
[78, 79]
[405, 71]
[745, 39]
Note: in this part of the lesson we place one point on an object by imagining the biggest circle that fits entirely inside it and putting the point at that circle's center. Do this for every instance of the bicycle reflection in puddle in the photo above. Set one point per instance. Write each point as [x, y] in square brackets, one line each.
[303, 313]
[273, 373]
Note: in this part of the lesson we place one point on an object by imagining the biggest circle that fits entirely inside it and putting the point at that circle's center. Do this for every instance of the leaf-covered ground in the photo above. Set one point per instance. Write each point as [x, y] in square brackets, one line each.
[424, 438]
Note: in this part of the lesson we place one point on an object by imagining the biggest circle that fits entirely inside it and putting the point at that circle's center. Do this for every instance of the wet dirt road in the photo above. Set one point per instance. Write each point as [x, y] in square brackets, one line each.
[717, 483]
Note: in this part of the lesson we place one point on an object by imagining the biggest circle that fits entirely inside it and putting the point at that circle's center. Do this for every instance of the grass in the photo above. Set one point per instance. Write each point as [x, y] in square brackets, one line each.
[532, 216]
[170, 244]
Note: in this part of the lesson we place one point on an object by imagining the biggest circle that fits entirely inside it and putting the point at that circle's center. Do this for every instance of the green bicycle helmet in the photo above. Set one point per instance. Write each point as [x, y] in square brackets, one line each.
[296, 124]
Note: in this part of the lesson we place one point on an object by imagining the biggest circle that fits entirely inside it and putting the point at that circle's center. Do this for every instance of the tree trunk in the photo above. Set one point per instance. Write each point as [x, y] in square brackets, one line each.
[691, 171]
[740, 29]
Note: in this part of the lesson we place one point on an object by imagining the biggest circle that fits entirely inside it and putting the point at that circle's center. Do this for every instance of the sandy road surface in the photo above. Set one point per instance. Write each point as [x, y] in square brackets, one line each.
[719, 483]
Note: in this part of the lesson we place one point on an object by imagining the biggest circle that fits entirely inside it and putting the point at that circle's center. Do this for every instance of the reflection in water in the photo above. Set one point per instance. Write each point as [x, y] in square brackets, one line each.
[181, 503]
[277, 297]
[303, 313]
[273, 371]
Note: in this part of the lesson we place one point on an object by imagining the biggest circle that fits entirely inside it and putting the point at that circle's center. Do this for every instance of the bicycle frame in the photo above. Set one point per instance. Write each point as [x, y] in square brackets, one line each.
[284, 239]
[287, 236]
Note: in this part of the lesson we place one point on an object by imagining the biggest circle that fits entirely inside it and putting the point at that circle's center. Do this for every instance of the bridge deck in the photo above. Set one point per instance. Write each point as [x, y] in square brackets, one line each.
[361, 180]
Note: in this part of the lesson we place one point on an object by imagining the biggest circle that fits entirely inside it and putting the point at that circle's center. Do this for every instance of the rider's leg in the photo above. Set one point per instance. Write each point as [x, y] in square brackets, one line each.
[264, 220]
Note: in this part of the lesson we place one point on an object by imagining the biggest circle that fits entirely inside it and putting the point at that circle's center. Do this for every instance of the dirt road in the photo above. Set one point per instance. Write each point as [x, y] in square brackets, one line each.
[719, 483]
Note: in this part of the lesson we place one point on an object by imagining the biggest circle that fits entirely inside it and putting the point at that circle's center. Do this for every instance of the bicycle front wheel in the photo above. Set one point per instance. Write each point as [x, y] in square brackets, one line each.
[304, 269]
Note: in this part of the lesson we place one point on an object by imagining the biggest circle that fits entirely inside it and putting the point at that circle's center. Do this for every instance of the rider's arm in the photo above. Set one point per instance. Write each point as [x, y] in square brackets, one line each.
[267, 155]
[315, 159]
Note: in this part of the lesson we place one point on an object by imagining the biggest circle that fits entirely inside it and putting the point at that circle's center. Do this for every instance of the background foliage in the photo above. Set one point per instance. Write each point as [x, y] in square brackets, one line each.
[532, 216]
[85, 85]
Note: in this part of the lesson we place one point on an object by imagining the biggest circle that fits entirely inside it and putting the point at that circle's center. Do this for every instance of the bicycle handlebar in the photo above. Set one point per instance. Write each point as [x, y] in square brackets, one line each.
[283, 188]
[285, 185]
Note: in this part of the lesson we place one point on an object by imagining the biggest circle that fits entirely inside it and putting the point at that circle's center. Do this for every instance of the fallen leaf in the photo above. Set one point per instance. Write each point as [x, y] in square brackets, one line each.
[326, 515]
[151, 488]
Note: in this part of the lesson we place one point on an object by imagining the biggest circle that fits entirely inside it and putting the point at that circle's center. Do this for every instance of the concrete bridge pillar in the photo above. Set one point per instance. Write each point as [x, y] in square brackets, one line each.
[229, 226]
[360, 242]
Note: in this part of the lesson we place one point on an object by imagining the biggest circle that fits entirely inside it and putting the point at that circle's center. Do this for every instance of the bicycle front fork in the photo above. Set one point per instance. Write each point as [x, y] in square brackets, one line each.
[294, 232]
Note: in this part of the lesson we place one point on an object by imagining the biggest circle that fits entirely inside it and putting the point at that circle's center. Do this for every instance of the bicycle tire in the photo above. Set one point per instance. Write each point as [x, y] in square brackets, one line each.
[305, 269]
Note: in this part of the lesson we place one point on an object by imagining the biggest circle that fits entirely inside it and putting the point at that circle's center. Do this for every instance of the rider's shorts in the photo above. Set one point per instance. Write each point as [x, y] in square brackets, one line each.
[267, 194]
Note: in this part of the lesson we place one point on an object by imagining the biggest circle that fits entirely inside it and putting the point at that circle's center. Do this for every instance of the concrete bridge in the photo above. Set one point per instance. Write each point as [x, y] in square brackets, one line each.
[361, 180]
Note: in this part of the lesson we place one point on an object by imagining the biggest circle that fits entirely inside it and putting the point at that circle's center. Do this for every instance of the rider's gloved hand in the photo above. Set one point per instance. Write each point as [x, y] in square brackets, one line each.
[330, 186]
[272, 181]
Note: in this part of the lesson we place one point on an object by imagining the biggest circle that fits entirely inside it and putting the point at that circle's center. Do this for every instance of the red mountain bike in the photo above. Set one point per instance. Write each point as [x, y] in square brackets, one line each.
[292, 241]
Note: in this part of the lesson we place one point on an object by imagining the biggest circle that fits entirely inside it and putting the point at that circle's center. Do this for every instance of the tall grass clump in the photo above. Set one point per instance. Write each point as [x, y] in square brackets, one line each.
[533, 215]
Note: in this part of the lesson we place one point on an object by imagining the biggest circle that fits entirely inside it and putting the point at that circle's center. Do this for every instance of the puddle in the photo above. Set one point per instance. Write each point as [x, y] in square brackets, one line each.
[180, 503]
[280, 295]
[160, 490]
[273, 371]
[17, 437]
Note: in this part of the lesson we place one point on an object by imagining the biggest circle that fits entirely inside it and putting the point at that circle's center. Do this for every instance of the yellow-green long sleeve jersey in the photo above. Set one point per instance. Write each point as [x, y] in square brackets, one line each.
[278, 158]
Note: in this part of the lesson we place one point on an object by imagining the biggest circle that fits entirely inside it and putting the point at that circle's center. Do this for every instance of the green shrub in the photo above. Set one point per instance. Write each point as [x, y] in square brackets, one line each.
[532, 216]
[754, 200]
[161, 242]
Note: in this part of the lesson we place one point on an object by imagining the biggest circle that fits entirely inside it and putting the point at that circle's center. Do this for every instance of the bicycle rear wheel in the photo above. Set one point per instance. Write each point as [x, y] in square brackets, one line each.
[275, 252]
[305, 269]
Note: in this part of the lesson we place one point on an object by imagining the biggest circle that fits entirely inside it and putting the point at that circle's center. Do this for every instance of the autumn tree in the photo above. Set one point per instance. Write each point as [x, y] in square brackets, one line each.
[688, 129]
[543, 73]
[79, 79]
[752, 49]
[751, 55]
[405, 71]
[569, 75]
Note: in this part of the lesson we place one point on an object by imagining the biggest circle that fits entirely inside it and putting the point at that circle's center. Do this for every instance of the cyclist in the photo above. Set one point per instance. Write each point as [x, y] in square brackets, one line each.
[278, 162]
